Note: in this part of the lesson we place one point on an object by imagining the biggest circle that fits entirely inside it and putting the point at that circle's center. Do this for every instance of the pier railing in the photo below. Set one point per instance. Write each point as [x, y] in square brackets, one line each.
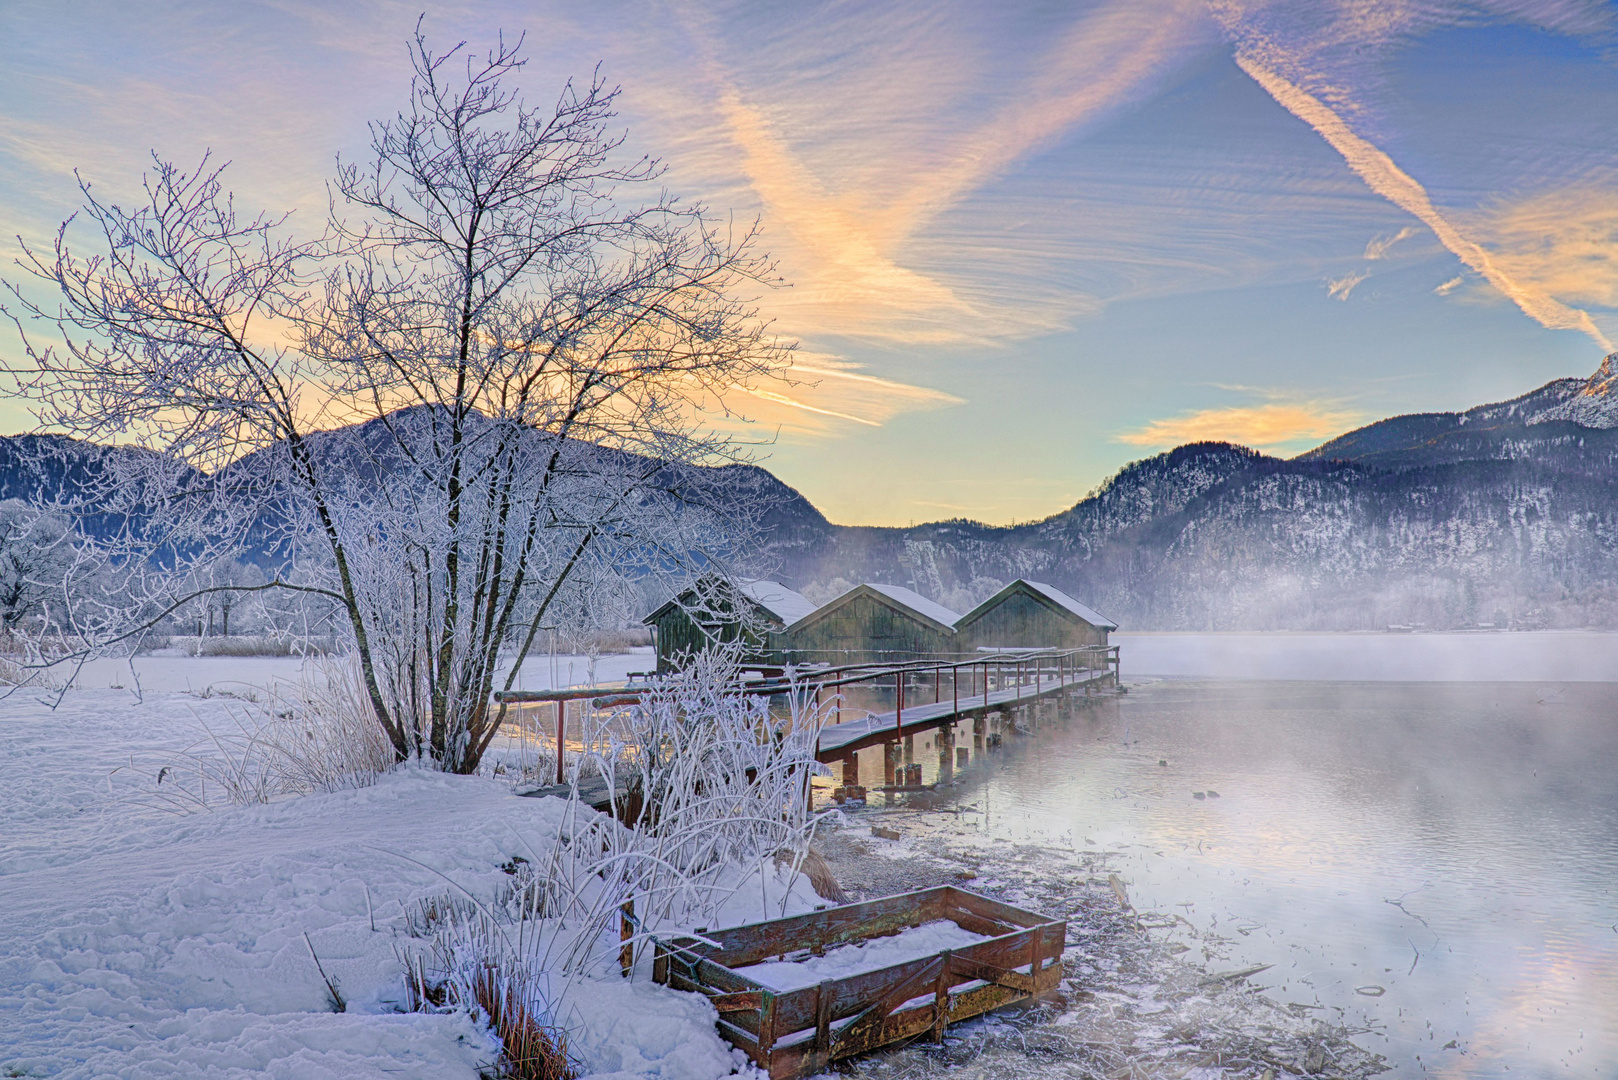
[984, 675]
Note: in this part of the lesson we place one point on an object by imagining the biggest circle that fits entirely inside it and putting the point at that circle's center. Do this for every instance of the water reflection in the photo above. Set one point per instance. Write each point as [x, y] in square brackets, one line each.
[1449, 848]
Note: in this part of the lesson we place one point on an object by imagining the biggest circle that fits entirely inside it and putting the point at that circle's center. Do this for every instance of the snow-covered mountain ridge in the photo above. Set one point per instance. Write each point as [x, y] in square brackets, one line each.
[1586, 403]
[1505, 513]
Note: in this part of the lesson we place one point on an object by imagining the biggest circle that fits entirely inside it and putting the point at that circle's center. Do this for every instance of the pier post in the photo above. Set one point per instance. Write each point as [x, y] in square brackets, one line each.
[910, 749]
[890, 754]
[851, 771]
[561, 741]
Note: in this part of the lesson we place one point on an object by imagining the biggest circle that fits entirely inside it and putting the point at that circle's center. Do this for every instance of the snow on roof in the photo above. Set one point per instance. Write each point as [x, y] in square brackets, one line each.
[1089, 615]
[916, 602]
[777, 599]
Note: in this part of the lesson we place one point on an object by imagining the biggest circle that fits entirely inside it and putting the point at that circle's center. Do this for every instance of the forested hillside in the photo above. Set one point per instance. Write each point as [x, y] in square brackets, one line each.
[1503, 515]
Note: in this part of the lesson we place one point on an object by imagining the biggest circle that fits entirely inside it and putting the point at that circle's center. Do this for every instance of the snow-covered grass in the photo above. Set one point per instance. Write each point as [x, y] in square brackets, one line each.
[290, 738]
[138, 941]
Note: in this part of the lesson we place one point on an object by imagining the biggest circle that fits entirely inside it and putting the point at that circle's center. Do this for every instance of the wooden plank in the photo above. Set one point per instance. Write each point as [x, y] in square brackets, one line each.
[973, 968]
[990, 908]
[729, 1003]
[871, 1018]
[742, 1040]
[746, 945]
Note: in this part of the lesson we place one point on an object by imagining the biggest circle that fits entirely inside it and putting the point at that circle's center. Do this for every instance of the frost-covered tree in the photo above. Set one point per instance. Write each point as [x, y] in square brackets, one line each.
[38, 554]
[485, 389]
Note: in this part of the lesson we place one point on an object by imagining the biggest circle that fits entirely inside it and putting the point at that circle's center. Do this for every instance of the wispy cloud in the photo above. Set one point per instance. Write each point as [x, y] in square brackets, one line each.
[1103, 60]
[1339, 288]
[1385, 177]
[851, 173]
[1309, 58]
[1563, 242]
[822, 391]
[1449, 286]
[1378, 247]
[1274, 424]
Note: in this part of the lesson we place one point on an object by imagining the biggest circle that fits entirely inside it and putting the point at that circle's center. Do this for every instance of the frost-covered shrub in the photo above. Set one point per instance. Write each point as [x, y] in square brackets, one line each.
[716, 804]
[714, 786]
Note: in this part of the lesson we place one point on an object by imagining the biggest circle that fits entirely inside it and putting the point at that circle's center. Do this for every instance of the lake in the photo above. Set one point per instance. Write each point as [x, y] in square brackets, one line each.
[1451, 848]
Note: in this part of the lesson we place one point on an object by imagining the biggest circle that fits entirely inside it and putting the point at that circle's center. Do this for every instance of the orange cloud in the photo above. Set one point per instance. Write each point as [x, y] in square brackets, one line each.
[1270, 425]
[848, 196]
[1562, 242]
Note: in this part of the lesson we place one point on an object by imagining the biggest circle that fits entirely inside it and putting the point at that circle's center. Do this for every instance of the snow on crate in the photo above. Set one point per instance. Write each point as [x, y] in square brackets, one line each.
[138, 942]
[871, 955]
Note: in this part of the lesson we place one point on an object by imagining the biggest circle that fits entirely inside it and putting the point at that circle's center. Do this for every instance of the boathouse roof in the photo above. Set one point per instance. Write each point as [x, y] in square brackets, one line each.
[772, 599]
[776, 598]
[1049, 593]
[906, 601]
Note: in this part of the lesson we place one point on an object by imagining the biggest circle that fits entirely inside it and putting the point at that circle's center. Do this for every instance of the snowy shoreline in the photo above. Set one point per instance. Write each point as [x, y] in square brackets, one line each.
[143, 941]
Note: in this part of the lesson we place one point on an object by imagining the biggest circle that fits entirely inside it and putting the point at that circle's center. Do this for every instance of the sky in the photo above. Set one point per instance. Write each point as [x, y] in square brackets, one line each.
[1025, 243]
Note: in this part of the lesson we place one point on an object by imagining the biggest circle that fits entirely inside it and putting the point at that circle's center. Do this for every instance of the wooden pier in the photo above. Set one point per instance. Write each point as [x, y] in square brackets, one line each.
[1027, 687]
[979, 685]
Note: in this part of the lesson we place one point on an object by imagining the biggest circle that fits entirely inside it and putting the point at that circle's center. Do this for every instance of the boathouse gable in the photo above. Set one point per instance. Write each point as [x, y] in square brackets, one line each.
[713, 611]
[1032, 615]
[872, 621]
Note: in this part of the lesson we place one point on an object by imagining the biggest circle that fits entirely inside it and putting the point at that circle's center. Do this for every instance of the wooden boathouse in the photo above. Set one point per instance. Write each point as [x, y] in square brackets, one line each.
[872, 622]
[1031, 615]
[715, 612]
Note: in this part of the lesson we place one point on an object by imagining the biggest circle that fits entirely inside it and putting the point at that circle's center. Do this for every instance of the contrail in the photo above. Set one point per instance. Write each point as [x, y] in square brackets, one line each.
[1385, 178]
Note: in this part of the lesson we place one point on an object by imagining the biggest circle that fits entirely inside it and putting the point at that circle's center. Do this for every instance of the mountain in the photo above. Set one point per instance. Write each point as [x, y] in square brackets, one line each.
[1559, 411]
[1504, 514]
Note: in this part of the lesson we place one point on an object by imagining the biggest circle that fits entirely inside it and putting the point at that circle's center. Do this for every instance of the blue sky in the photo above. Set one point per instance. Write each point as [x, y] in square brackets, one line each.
[1027, 243]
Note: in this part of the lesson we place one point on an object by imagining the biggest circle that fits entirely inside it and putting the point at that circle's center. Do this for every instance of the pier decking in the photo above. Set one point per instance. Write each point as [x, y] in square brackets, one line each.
[838, 740]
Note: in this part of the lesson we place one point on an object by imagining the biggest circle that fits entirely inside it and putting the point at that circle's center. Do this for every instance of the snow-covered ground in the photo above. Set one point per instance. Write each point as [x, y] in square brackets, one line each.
[195, 674]
[140, 941]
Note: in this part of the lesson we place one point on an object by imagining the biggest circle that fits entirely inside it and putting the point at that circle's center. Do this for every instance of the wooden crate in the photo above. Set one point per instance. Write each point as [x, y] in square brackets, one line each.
[792, 1033]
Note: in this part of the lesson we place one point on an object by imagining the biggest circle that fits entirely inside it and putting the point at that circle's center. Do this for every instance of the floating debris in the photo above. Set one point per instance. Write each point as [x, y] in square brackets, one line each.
[1117, 884]
[1133, 1004]
[1371, 991]
[885, 833]
[1198, 795]
[1234, 976]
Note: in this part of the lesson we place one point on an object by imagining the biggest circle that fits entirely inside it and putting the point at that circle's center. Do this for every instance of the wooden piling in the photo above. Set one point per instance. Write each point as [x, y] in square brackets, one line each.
[626, 931]
[561, 741]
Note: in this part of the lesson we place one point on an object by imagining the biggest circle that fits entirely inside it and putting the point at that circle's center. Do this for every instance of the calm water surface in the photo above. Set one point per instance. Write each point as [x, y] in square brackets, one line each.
[1455, 845]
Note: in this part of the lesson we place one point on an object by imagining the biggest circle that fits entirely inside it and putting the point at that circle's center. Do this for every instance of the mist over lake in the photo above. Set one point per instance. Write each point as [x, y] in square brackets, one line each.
[1435, 859]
